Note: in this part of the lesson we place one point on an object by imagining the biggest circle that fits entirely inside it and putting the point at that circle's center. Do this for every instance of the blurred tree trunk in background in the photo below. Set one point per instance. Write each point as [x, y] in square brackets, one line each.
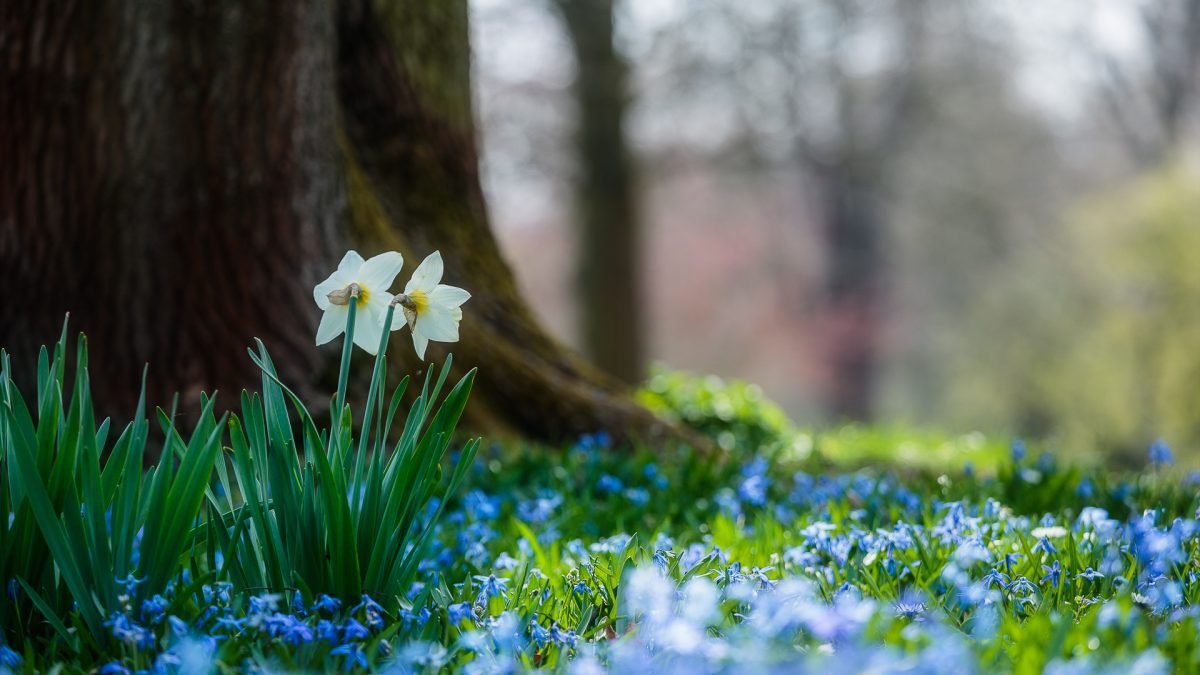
[853, 162]
[609, 276]
[178, 175]
[1150, 103]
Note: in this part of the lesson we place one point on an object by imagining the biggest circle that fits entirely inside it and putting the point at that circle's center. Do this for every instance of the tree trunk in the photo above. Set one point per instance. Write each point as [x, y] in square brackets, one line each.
[852, 299]
[609, 276]
[178, 175]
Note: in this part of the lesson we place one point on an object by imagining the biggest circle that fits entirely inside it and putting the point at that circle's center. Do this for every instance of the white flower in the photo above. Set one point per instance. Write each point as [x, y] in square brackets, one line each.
[368, 283]
[431, 309]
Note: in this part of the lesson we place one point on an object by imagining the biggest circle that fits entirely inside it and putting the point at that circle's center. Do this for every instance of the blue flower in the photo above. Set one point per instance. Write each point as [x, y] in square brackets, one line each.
[230, 624]
[539, 635]
[129, 632]
[564, 639]
[353, 630]
[297, 633]
[458, 613]
[609, 484]
[1160, 453]
[373, 611]
[354, 655]
[491, 587]
[9, 658]
[1022, 586]
[1045, 546]
[327, 630]
[753, 490]
[582, 589]
[1054, 574]
[114, 668]
[154, 609]
[327, 604]
[996, 578]
[1090, 574]
[1018, 450]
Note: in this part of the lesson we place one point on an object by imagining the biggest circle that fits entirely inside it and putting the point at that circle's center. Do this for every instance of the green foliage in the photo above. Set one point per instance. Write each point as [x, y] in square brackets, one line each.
[734, 414]
[263, 499]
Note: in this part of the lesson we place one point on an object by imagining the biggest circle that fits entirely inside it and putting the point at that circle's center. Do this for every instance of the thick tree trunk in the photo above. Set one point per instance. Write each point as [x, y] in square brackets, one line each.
[164, 178]
[609, 275]
[177, 175]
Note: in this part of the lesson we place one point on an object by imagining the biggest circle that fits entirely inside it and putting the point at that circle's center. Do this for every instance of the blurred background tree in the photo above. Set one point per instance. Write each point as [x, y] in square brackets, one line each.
[954, 279]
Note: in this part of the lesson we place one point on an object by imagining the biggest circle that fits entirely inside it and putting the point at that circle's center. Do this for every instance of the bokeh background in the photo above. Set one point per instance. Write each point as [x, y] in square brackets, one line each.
[962, 214]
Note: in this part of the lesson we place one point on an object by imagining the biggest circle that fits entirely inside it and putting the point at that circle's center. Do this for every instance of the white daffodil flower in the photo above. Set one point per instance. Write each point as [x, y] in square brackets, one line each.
[431, 309]
[365, 283]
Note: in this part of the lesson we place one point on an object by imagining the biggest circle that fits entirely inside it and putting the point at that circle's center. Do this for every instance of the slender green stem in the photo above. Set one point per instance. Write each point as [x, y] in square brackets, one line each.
[344, 373]
[377, 377]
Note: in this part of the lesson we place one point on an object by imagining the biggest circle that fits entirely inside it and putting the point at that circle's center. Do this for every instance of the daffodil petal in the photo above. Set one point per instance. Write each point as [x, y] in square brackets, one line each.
[420, 342]
[368, 328]
[336, 281]
[440, 323]
[378, 273]
[448, 296]
[333, 322]
[427, 274]
[350, 264]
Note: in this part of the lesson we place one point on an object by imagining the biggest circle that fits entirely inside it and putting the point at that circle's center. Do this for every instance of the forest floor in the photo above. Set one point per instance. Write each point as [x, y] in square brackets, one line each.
[787, 552]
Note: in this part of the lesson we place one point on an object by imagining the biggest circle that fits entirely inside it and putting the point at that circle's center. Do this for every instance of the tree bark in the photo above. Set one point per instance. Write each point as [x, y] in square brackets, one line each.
[178, 175]
[609, 275]
[852, 300]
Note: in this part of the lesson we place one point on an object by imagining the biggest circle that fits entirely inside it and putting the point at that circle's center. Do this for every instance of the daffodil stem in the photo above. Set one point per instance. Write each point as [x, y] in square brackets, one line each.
[344, 373]
[378, 374]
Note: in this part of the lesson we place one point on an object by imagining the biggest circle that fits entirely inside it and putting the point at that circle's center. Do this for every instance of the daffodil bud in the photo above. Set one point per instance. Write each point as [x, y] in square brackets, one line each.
[342, 296]
[408, 307]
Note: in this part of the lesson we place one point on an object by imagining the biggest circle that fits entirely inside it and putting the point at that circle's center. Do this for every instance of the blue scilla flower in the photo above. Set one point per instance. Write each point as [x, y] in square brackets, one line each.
[582, 589]
[373, 611]
[504, 561]
[1022, 586]
[179, 627]
[114, 668]
[609, 484]
[230, 625]
[129, 632]
[563, 638]
[753, 490]
[591, 442]
[1054, 574]
[637, 496]
[354, 655]
[154, 609]
[458, 613]
[352, 630]
[1044, 546]
[480, 506]
[491, 586]
[418, 618]
[1011, 560]
[996, 578]
[130, 583]
[9, 658]
[1090, 574]
[327, 630]
[297, 633]
[327, 604]
[1160, 453]
[1018, 450]
[538, 634]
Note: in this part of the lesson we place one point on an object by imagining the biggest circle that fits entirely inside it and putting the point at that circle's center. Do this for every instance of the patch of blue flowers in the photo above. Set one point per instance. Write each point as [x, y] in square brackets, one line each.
[637, 563]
